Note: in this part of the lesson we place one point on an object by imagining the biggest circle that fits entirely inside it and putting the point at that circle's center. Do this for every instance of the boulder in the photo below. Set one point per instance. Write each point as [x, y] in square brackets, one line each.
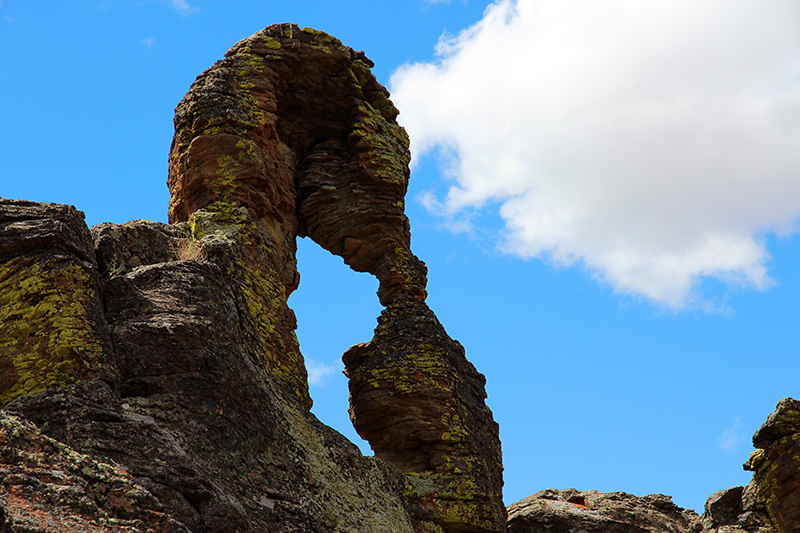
[570, 510]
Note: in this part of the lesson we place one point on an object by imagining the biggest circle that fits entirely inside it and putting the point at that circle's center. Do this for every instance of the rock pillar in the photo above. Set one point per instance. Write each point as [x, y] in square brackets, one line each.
[52, 328]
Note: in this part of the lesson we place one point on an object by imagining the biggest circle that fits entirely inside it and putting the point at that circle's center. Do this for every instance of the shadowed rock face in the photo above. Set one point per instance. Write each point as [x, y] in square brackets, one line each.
[191, 433]
[53, 331]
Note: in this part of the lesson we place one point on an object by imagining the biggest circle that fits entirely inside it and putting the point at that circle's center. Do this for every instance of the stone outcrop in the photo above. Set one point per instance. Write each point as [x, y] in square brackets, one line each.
[198, 434]
[769, 504]
[46, 486]
[165, 355]
[565, 511]
[775, 488]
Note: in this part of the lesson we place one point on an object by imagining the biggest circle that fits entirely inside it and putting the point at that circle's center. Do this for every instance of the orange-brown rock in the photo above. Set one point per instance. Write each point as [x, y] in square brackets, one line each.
[420, 404]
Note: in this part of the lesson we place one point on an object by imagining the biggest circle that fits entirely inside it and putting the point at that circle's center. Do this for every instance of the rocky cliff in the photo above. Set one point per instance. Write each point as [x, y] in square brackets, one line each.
[150, 378]
[168, 353]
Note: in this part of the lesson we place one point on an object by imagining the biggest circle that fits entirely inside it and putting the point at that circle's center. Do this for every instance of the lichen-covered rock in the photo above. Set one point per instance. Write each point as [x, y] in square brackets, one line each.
[52, 328]
[293, 126]
[217, 441]
[775, 489]
[120, 248]
[170, 350]
[567, 511]
[291, 135]
[47, 487]
[420, 404]
[726, 511]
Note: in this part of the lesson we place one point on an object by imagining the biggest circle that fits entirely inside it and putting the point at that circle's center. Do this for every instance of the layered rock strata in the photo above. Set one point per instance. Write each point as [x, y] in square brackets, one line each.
[291, 135]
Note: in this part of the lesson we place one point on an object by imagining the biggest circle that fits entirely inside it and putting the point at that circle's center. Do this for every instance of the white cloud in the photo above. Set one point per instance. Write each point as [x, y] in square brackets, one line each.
[318, 372]
[149, 42]
[731, 437]
[653, 142]
[183, 7]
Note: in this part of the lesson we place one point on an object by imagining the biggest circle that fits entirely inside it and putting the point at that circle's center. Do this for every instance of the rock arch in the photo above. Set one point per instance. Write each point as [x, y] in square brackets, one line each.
[291, 135]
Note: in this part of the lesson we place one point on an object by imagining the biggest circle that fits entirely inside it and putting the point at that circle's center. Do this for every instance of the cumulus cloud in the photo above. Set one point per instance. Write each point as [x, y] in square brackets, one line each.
[655, 143]
[731, 437]
[318, 372]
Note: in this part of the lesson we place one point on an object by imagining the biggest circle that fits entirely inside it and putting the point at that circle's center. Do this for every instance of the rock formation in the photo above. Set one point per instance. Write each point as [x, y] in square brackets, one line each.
[168, 352]
[291, 135]
[564, 511]
[775, 488]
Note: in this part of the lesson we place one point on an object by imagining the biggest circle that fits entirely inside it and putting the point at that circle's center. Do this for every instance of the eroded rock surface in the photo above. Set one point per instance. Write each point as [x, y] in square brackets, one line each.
[46, 486]
[193, 419]
[291, 135]
[52, 328]
[565, 511]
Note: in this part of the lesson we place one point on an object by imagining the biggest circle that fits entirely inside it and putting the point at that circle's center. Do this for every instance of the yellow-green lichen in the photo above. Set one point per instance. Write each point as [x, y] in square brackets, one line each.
[45, 329]
[265, 296]
[269, 42]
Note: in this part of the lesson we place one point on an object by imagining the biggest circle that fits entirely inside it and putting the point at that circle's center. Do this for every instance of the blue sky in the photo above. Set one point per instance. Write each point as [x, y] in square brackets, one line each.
[606, 198]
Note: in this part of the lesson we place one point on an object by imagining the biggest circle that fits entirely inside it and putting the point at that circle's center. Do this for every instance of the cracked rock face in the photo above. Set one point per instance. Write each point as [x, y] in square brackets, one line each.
[192, 433]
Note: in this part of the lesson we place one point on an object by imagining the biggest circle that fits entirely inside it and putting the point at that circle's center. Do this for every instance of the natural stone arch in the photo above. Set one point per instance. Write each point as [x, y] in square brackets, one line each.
[291, 135]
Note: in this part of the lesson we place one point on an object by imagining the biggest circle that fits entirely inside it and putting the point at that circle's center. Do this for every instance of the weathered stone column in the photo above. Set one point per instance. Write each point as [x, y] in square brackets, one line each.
[291, 135]
[52, 328]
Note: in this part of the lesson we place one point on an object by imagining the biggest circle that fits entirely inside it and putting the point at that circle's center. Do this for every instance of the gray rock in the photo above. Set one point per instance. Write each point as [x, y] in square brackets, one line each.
[570, 510]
